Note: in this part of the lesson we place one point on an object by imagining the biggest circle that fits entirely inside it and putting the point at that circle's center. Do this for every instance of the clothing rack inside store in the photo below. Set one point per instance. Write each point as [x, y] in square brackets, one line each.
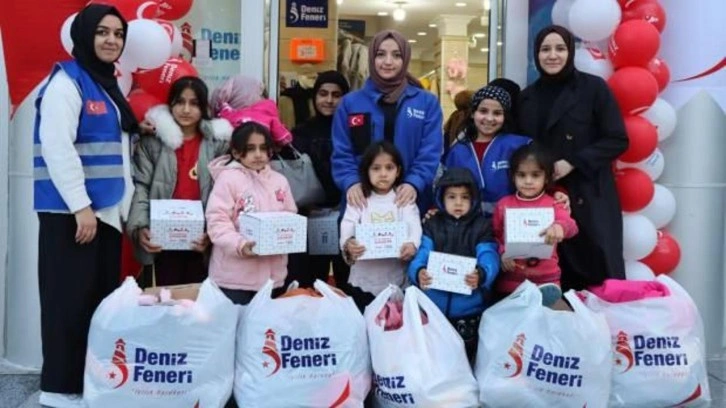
[343, 34]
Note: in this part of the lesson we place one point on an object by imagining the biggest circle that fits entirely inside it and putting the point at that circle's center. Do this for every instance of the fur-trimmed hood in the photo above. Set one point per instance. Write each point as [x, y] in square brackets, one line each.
[170, 134]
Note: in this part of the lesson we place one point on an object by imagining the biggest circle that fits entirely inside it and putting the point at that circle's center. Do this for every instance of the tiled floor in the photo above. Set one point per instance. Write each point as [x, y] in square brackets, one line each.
[21, 390]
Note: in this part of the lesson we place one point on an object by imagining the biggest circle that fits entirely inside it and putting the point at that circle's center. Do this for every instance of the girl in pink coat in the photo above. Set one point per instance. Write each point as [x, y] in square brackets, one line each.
[240, 99]
[243, 183]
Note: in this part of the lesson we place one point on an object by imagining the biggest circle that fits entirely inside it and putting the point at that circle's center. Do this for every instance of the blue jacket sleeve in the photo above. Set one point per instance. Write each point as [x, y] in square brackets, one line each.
[421, 259]
[344, 165]
[487, 258]
[423, 169]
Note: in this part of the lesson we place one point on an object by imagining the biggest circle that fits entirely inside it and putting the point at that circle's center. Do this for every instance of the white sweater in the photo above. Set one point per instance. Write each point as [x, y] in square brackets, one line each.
[374, 275]
[60, 111]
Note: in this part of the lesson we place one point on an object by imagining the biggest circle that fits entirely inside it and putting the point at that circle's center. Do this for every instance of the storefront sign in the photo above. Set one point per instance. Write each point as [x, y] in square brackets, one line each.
[355, 27]
[307, 13]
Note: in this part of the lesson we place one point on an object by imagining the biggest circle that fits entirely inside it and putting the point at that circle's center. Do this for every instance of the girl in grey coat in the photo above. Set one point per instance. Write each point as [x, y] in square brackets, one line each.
[173, 165]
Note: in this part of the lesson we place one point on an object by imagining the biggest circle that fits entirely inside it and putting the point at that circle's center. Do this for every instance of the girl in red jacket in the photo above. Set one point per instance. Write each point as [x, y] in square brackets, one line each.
[531, 170]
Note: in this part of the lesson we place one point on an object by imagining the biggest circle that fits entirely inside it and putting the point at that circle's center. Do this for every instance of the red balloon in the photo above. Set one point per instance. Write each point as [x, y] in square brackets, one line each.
[141, 102]
[634, 43]
[660, 71]
[650, 11]
[635, 189]
[157, 81]
[174, 9]
[132, 9]
[666, 255]
[642, 137]
[634, 88]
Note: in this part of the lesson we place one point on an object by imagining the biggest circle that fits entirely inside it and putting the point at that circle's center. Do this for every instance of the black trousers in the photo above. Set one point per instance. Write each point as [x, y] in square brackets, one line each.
[73, 279]
[174, 268]
[306, 268]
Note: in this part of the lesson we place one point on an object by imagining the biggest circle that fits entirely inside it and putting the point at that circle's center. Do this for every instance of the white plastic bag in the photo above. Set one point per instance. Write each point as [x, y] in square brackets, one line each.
[302, 351]
[418, 365]
[532, 356]
[160, 356]
[659, 349]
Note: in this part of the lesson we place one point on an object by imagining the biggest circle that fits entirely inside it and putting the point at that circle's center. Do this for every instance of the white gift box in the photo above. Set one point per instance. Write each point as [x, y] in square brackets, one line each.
[175, 224]
[448, 272]
[323, 232]
[522, 229]
[274, 233]
[381, 240]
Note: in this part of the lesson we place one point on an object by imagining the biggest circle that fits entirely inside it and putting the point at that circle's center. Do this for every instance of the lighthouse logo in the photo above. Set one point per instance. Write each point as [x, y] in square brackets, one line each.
[516, 352]
[623, 352]
[118, 372]
[270, 350]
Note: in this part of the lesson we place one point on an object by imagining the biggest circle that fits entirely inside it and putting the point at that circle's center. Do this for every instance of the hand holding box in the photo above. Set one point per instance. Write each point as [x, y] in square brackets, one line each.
[522, 232]
[448, 272]
[382, 240]
[176, 224]
[274, 233]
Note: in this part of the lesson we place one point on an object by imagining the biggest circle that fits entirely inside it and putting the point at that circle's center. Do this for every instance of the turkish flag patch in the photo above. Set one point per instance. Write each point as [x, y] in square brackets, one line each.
[96, 108]
[356, 120]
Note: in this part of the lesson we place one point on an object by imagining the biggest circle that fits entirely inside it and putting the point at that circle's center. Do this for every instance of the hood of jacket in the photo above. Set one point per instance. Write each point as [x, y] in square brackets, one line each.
[227, 163]
[458, 176]
[170, 133]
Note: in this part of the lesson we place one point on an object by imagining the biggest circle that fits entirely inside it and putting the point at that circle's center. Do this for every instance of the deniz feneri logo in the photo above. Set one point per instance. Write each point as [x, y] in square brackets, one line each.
[393, 389]
[148, 368]
[306, 352]
[648, 352]
[543, 366]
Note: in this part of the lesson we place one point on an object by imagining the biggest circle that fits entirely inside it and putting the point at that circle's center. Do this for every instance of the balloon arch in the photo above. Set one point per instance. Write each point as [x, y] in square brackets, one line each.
[620, 43]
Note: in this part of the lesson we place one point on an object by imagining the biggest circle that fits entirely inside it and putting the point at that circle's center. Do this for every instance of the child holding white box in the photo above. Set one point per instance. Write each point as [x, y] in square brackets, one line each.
[532, 172]
[381, 171]
[459, 228]
[244, 183]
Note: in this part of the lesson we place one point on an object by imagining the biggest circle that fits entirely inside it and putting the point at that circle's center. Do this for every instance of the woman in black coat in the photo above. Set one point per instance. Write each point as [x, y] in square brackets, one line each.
[576, 116]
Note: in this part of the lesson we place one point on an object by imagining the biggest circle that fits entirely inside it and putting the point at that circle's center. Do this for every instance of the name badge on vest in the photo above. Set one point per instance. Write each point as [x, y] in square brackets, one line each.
[96, 108]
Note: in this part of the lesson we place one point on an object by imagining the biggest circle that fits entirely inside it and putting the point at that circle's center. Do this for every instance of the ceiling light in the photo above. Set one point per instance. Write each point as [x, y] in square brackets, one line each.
[487, 5]
[460, 4]
[499, 43]
[422, 33]
[412, 41]
[432, 25]
[339, 2]
[399, 14]
[479, 35]
[485, 50]
[382, 13]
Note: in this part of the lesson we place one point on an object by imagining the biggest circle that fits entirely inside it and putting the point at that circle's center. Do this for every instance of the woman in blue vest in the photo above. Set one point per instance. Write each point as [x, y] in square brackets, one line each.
[82, 192]
[391, 106]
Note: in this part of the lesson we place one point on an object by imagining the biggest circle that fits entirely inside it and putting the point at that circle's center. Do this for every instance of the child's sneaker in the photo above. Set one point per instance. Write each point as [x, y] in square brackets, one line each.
[551, 293]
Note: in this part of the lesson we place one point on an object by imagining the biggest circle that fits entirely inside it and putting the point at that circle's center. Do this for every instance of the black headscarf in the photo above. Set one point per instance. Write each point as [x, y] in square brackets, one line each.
[83, 33]
[329, 77]
[569, 39]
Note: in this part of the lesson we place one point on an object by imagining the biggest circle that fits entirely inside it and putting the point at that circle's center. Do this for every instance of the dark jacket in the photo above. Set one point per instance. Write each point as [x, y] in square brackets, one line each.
[585, 128]
[315, 137]
[470, 236]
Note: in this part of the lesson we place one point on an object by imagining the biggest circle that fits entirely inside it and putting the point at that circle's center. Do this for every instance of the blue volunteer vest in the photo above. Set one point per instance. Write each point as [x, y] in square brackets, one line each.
[98, 143]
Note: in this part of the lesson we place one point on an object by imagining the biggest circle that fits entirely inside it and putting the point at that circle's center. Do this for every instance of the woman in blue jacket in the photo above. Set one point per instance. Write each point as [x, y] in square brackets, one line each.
[82, 191]
[485, 146]
[391, 106]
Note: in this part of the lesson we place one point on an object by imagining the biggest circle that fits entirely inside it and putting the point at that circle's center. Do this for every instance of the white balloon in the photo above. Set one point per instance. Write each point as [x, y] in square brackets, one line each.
[65, 34]
[175, 35]
[124, 78]
[594, 20]
[662, 208]
[639, 237]
[662, 115]
[148, 46]
[593, 61]
[635, 270]
[561, 12]
[653, 165]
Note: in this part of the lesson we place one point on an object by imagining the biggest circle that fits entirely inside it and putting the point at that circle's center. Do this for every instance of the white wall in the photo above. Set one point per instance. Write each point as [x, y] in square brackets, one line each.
[4, 136]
